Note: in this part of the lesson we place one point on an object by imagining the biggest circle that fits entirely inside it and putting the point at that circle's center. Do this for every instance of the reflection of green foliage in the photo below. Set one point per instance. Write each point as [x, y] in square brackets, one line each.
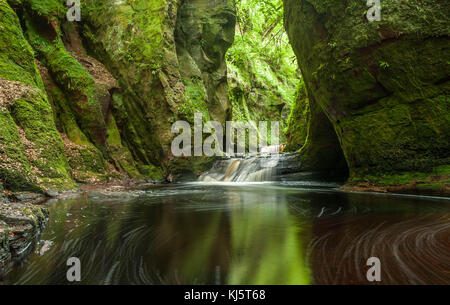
[384, 64]
[262, 255]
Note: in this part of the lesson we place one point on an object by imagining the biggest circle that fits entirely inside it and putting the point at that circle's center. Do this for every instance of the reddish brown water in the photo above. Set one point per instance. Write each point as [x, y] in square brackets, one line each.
[243, 234]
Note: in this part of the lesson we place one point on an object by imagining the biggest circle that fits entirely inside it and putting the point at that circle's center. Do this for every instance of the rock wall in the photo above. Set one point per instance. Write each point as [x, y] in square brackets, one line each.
[95, 100]
[169, 57]
[384, 86]
[203, 34]
[31, 149]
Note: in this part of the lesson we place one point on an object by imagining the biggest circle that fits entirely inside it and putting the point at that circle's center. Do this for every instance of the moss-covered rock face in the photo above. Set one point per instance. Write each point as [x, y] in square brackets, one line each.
[298, 121]
[135, 40]
[384, 85]
[204, 32]
[31, 150]
[169, 57]
[96, 100]
[80, 89]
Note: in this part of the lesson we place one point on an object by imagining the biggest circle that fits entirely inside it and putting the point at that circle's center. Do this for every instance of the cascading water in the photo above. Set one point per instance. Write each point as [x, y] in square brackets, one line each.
[270, 166]
[267, 166]
[239, 170]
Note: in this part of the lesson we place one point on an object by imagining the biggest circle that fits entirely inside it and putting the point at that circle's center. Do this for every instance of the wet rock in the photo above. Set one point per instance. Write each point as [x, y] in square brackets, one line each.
[5, 254]
[115, 188]
[52, 193]
[20, 228]
[27, 196]
[115, 195]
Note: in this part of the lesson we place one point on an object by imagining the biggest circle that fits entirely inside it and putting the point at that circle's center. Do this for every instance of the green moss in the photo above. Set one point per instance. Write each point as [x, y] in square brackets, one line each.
[195, 101]
[131, 40]
[155, 173]
[48, 8]
[120, 154]
[45, 149]
[33, 157]
[86, 161]
[437, 176]
[432, 187]
[140, 44]
[203, 35]
[71, 76]
[443, 170]
[190, 165]
[147, 46]
[298, 121]
[16, 56]
[391, 117]
[80, 105]
[15, 168]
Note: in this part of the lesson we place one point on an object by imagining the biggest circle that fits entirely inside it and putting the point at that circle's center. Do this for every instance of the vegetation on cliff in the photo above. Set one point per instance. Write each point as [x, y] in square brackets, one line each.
[262, 68]
[384, 85]
[94, 101]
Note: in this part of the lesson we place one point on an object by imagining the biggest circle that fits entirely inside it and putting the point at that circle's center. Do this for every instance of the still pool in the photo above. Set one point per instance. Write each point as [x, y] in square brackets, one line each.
[254, 233]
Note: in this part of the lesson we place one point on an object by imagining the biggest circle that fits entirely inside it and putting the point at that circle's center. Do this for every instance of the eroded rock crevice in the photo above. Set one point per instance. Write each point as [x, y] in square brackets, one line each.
[382, 85]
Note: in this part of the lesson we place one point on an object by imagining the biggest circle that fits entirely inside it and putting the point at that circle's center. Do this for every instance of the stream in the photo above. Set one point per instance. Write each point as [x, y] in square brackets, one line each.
[283, 232]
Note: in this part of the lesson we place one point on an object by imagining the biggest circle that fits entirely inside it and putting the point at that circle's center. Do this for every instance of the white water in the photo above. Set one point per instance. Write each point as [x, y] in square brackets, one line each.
[248, 169]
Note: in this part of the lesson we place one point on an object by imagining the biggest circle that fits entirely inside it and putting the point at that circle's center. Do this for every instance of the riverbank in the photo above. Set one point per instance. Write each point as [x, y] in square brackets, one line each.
[210, 233]
[410, 189]
[23, 216]
[20, 228]
[433, 184]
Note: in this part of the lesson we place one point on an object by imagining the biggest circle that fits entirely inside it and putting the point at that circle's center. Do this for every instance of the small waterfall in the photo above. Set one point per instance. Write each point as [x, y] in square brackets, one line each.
[270, 166]
[249, 169]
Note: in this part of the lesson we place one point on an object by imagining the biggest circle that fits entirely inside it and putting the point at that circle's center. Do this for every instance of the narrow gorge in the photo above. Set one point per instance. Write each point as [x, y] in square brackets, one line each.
[90, 105]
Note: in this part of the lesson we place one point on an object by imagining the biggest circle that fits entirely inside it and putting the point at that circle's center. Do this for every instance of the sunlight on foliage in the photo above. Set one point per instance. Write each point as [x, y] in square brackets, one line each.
[262, 65]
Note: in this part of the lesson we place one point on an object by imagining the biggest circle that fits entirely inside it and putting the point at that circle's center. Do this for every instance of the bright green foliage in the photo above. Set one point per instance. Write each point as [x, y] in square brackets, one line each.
[70, 75]
[52, 9]
[195, 100]
[263, 73]
[31, 150]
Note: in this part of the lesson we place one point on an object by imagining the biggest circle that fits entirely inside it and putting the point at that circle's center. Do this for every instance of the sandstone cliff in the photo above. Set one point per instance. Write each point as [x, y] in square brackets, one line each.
[95, 100]
[383, 86]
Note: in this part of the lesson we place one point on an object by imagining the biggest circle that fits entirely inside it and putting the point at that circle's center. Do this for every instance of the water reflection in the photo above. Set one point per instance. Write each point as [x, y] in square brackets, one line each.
[266, 244]
[243, 234]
